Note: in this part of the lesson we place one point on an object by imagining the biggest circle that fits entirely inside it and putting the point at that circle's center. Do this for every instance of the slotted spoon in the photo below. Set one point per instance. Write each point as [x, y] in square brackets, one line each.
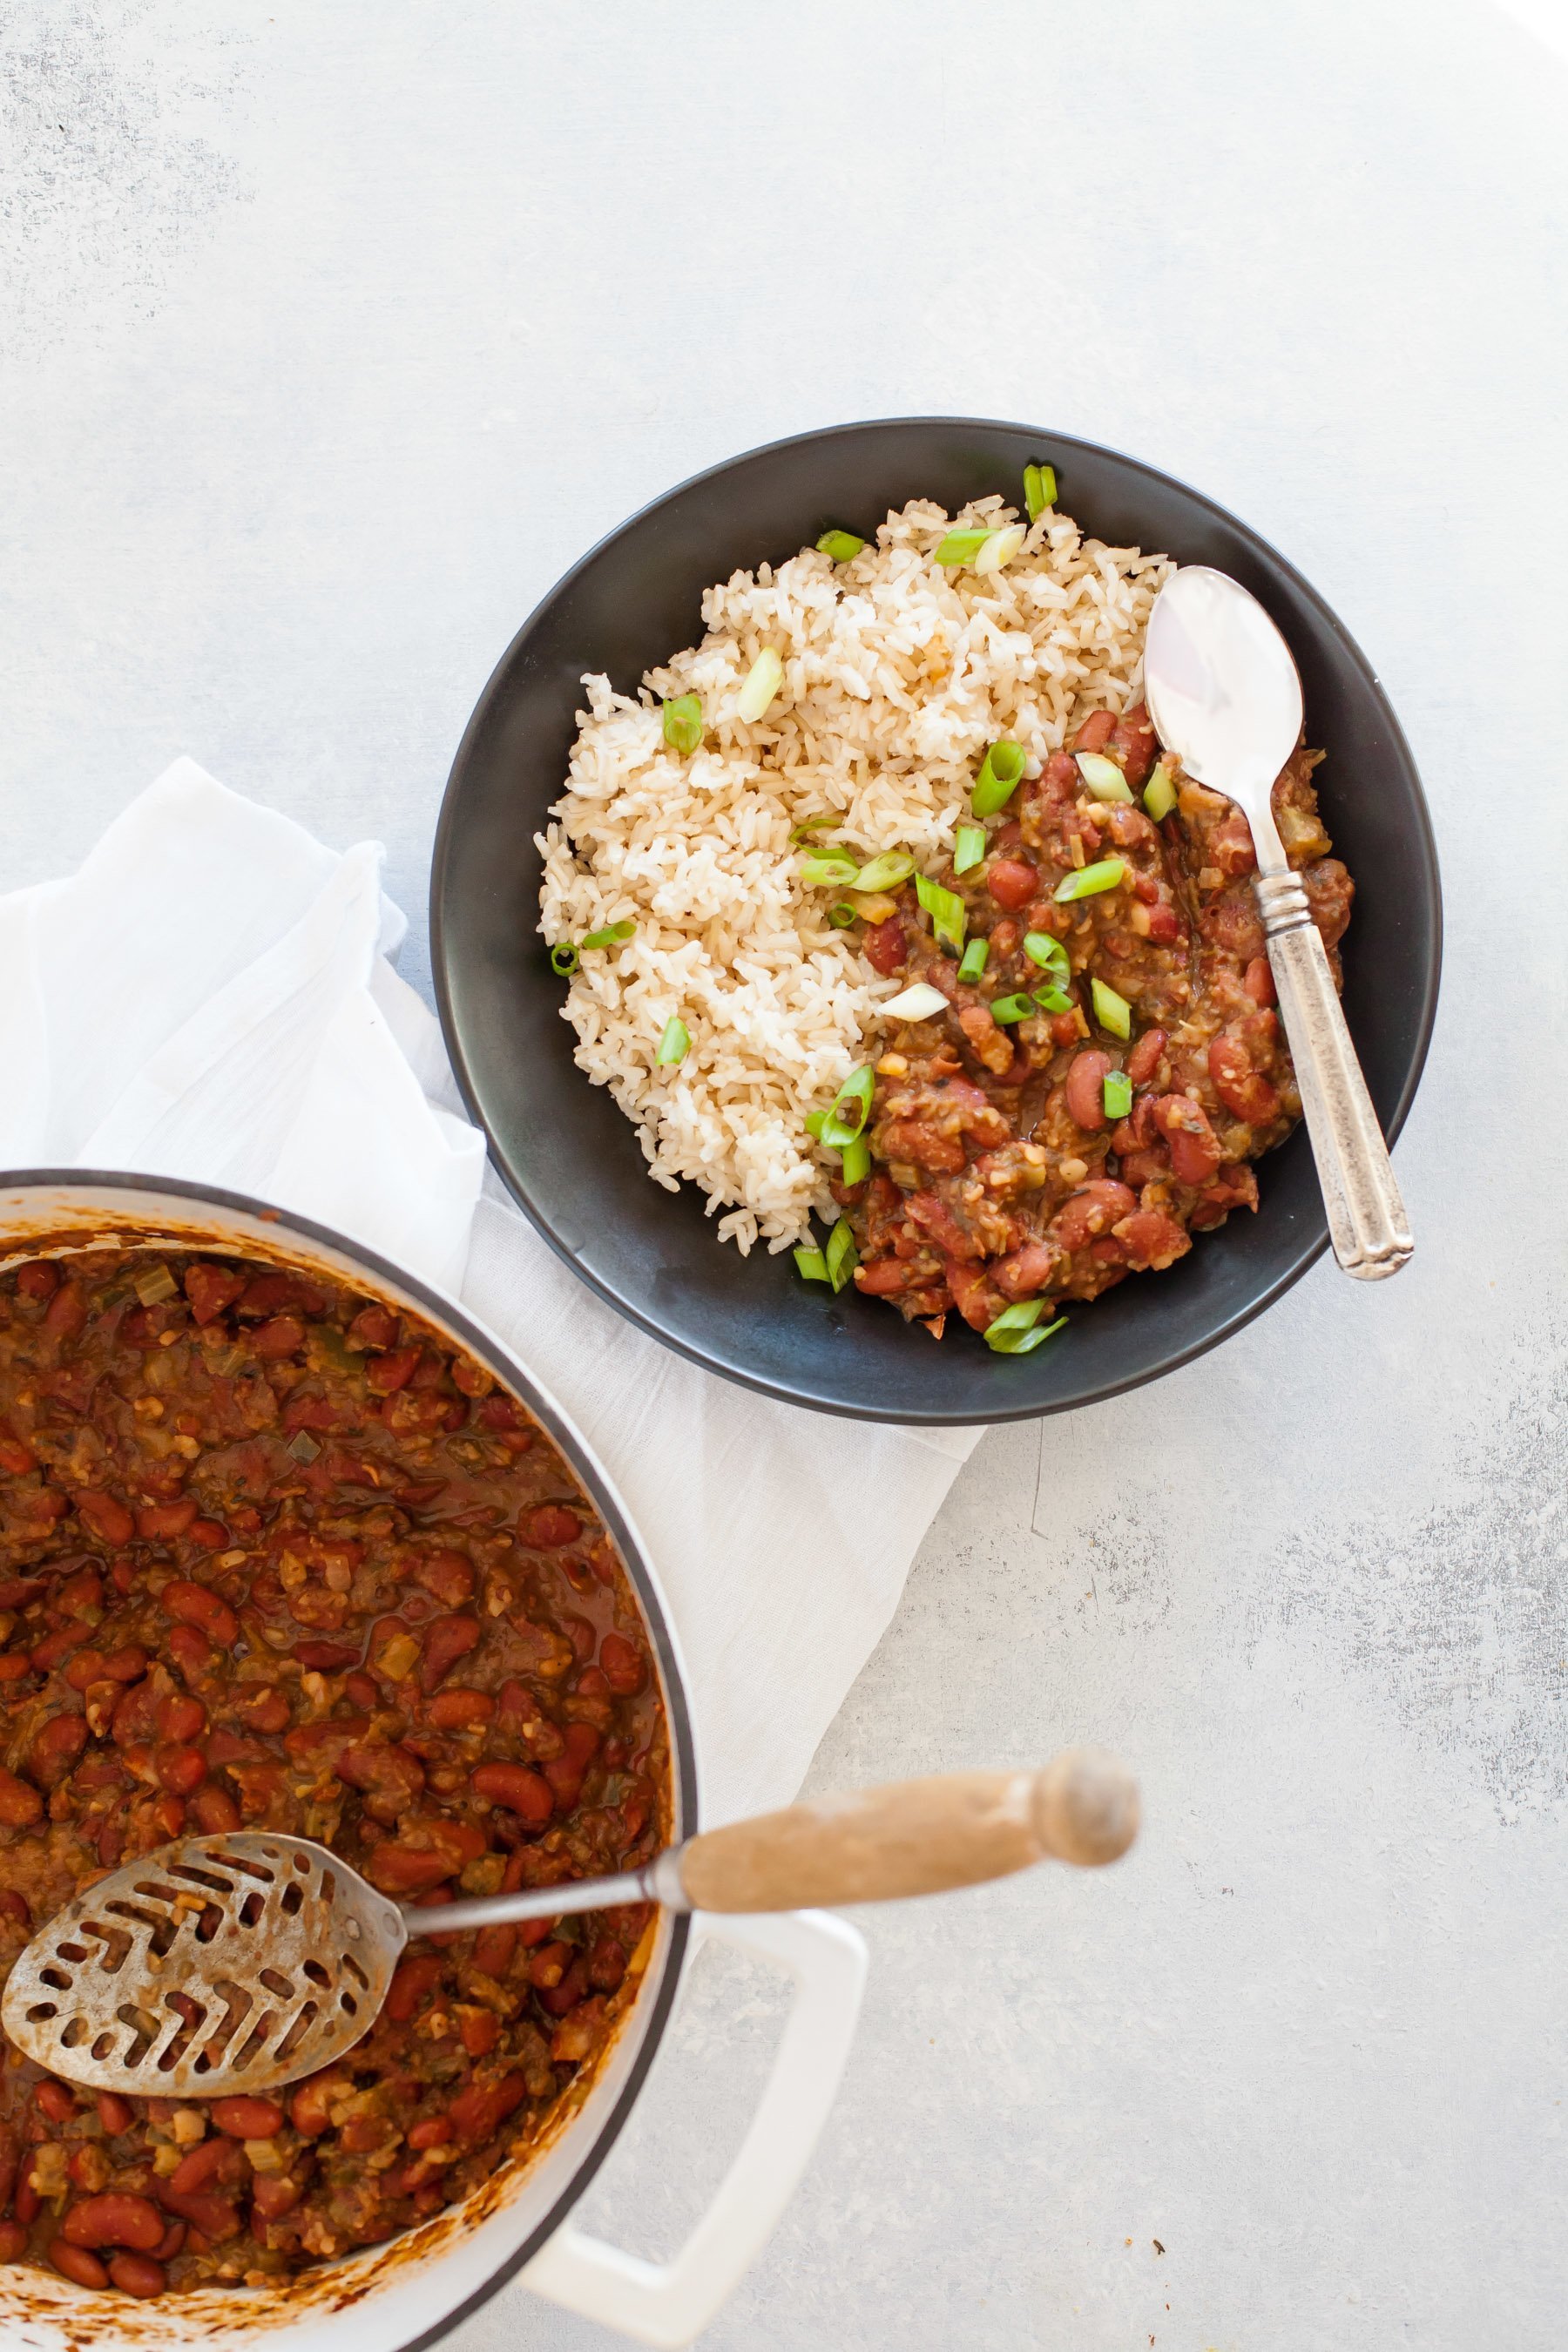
[229, 1963]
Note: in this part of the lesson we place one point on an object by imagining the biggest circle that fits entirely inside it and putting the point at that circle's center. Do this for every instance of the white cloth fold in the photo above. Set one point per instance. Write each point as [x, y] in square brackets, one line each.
[212, 997]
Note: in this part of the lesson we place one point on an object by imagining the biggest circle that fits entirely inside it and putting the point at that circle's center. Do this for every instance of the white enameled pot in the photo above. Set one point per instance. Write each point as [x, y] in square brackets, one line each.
[406, 2294]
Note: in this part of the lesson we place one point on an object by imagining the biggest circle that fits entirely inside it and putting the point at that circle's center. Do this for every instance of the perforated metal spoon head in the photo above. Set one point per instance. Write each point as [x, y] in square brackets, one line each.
[215, 1965]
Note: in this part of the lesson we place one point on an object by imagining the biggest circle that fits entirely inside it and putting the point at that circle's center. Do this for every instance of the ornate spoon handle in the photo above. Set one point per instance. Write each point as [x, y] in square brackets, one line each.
[1367, 1223]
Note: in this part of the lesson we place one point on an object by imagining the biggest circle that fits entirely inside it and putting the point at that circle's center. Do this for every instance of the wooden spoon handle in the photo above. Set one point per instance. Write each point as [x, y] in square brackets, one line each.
[916, 1837]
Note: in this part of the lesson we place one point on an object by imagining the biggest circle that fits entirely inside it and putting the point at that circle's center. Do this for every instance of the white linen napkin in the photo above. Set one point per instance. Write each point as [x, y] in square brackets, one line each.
[212, 997]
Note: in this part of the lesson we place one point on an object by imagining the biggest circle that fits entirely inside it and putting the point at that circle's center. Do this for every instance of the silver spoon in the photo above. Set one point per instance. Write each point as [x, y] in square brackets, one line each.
[1225, 696]
[237, 1963]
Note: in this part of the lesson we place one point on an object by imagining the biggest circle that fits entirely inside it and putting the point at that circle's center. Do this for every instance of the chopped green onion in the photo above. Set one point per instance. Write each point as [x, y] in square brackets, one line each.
[154, 1286]
[1015, 1331]
[610, 937]
[848, 1115]
[564, 957]
[815, 1120]
[810, 825]
[841, 1256]
[1040, 489]
[1116, 1091]
[1000, 548]
[857, 1157]
[1007, 1009]
[968, 847]
[1160, 793]
[828, 869]
[675, 1042]
[813, 1265]
[1049, 954]
[683, 722]
[885, 872]
[763, 681]
[840, 546]
[961, 547]
[919, 1000]
[1001, 772]
[1053, 1000]
[972, 962]
[302, 1446]
[1103, 777]
[946, 910]
[842, 916]
[1089, 881]
[1111, 1012]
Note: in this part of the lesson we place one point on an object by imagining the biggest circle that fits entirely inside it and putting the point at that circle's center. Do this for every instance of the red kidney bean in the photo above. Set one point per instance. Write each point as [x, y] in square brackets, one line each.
[459, 1709]
[1164, 924]
[181, 1719]
[403, 1870]
[265, 1710]
[1258, 981]
[179, 1769]
[1012, 882]
[568, 1993]
[26, 2200]
[550, 1527]
[211, 1534]
[38, 1279]
[138, 2274]
[494, 1949]
[214, 2216]
[157, 1521]
[518, 1787]
[16, 1459]
[624, 1666]
[607, 1964]
[1151, 1238]
[1085, 1090]
[115, 2114]
[75, 2263]
[215, 1809]
[1195, 1147]
[211, 1289]
[56, 1749]
[565, 1773]
[116, 2219]
[411, 1980]
[20, 1805]
[55, 2100]
[248, 2117]
[1144, 1059]
[385, 1374]
[886, 947]
[1242, 1090]
[135, 1717]
[446, 1640]
[479, 2029]
[1091, 1211]
[309, 2104]
[65, 1318]
[480, 2110]
[280, 1335]
[272, 2197]
[168, 1813]
[104, 1515]
[194, 1604]
[448, 1575]
[549, 1965]
[13, 2241]
[372, 1327]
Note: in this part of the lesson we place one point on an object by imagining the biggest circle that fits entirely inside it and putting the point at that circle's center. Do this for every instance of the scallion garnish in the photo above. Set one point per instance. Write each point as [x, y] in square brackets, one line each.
[813, 1265]
[1160, 793]
[675, 1044]
[842, 916]
[828, 869]
[968, 847]
[1040, 489]
[886, 872]
[1111, 1012]
[815, 1120]
[1053, 1000]
[610, 937]
[1049, 954]
[848, 1115]
[154, 1284]
[683, 722]
[857, 1158]
[763, 681]
[946, 910]
[810, 825]
[839, 546]
[1000, 548]
[841, 1256]
[564, 958]
[1102, 777]
[1089, 881]
[1008, 1009]
[920, 1000]
[1116, 1091]
[961, 547]
[1001, 772]
[972, 962]
[1017, 1331]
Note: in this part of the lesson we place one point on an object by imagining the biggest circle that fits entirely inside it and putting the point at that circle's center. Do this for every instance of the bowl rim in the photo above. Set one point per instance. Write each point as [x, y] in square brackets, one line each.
[920, 1416]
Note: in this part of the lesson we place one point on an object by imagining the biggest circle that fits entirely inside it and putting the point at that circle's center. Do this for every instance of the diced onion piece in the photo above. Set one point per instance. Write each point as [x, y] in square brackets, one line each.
[857, 1158]
[1040, 489]
[968, 847]
[886, 872]
[961, 547]
[675, 1042]
[763, 681]
[839, 546]
[841, 1255]
[1001, 772]
[1089, 881]
[1103, 777]
[683, 722]
[813, 1265]
[1116, 1092]
[1016, 1330]
[971, 963]
[1160, 793]
[919, 1002]
[1007, 1009]
[1000, 548]
[948, 914]
[1111, 1012]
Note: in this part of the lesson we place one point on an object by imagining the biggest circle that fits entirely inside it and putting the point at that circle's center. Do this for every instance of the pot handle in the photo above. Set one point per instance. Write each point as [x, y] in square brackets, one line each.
[668, 2304]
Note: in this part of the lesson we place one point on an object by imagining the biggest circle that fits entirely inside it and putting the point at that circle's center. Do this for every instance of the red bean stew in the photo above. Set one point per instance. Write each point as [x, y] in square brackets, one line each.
[1024, 1154]
[273, 1554]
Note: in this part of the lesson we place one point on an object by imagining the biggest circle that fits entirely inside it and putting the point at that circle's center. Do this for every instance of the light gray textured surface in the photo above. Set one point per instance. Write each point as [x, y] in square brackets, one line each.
[333, 335]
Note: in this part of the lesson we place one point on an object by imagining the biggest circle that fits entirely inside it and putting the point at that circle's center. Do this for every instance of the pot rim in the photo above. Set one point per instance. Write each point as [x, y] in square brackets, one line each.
[644, 1580]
